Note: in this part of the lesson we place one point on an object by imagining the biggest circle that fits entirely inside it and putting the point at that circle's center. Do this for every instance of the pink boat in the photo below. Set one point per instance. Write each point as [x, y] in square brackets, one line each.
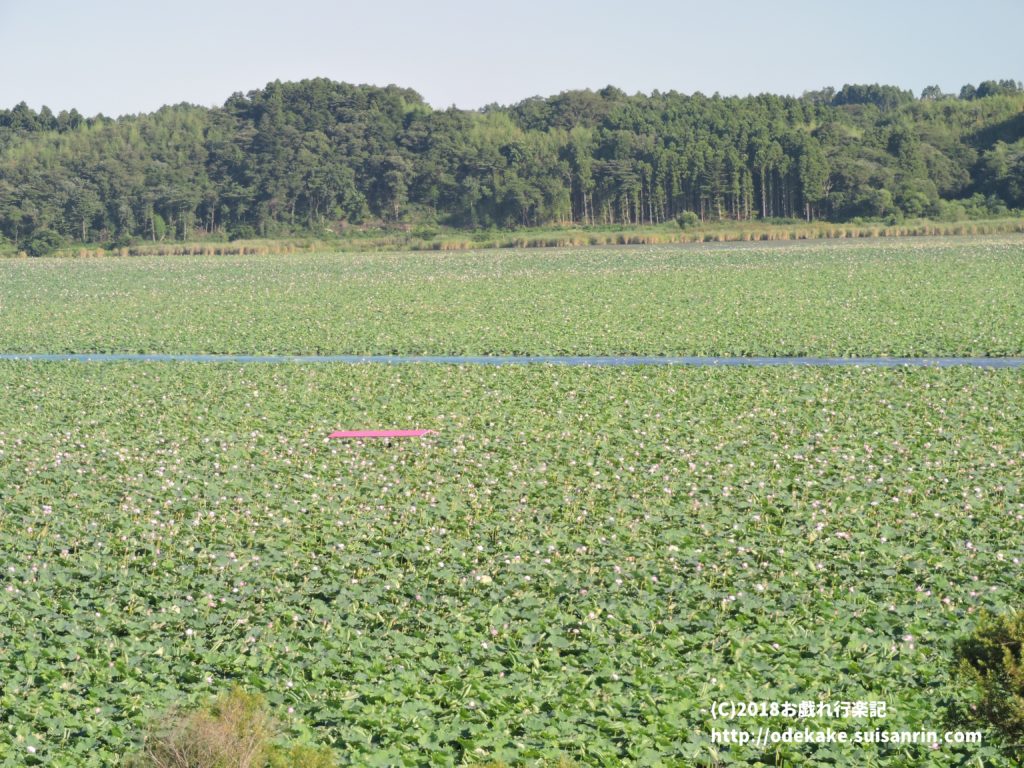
[361, 433]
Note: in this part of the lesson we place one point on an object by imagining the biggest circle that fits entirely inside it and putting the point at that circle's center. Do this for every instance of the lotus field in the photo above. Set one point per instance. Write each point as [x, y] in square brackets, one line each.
[899, 297]
[575, 563]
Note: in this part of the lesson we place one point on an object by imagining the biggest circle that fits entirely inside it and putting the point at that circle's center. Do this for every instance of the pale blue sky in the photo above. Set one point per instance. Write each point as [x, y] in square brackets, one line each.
[116, 57]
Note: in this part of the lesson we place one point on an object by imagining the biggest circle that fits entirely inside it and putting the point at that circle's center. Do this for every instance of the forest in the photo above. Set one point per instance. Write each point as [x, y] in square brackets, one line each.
[319, 156]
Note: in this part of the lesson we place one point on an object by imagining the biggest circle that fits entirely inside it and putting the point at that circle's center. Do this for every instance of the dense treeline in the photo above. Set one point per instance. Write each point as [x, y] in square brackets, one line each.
[318, 155]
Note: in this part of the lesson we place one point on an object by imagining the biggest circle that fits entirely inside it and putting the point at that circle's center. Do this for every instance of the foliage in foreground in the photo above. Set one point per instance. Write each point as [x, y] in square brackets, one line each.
[580, 561]
[991, 661]
[235, 731]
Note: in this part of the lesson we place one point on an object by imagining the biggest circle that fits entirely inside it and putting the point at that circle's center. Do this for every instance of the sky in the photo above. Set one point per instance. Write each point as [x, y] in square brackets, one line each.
[118, 57]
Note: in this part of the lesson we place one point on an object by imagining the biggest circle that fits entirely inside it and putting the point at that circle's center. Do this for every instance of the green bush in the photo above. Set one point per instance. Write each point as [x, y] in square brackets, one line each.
[990, 662]
[123, 240]
[687, 220]
[43, 243]
[242, 232]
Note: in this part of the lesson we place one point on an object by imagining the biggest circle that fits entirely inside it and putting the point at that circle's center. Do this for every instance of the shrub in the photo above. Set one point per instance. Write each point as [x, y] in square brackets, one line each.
[687, 220]
[235, 731]
[43, 243]
[242, 232]
[990, 662]
[122, 241]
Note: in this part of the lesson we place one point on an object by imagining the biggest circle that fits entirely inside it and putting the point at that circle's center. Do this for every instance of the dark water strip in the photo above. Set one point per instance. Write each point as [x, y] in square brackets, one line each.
[599, 360]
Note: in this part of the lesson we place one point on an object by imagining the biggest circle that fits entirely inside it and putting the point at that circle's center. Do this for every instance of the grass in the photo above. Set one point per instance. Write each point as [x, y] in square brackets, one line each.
[236, 730]
[710, 232]
[552, 237]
